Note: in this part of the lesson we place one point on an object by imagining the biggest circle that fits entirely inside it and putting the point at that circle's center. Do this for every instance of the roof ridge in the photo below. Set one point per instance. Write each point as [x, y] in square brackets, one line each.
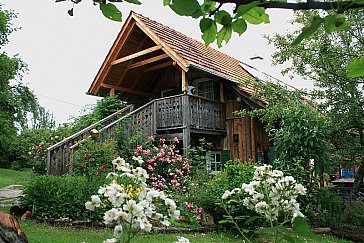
[188, 37]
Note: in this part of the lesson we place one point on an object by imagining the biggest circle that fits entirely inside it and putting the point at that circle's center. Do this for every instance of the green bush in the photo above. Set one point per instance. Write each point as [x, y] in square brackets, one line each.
[353, 215]
[60, 196]
[93, 159]
[325, 209]
[206, 191]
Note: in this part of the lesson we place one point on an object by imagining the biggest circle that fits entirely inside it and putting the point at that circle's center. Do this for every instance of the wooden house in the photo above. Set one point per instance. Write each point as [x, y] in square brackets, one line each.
[181, 88]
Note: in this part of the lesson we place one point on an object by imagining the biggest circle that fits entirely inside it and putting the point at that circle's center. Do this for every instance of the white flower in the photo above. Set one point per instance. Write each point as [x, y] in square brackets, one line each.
[113, 240]
[300, 189]
[90, 206]
[138, 159]
[182, 240]
[170, 203]
[166, 223]
[112, 176]
[95, 203]
[226, 194]
[118, 231]
[145, 225]
[111, 215]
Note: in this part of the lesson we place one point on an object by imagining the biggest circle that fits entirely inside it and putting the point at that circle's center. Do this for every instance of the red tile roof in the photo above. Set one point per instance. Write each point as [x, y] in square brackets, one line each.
[200, 56]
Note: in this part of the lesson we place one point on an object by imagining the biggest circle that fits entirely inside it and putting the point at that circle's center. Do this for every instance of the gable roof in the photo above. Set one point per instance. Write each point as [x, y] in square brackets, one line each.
[183, 50]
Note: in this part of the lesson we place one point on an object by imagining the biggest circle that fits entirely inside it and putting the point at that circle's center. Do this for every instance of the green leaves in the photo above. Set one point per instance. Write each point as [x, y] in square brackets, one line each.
[185, 7]
[308, 30]
[331, 23]
[133, 2]
[239, 26]
[224, 35]
[244, 8]
[209, 29]
[110, 11]
[222, 17]
[70, 12]
[356, 68]
[256, 15]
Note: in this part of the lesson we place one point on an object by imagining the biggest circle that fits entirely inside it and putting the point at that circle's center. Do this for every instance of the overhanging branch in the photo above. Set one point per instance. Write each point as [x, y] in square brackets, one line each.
[333, 5]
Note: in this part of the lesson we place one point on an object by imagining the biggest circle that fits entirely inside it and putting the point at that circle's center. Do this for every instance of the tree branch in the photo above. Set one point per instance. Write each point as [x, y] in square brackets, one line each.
[333, 5]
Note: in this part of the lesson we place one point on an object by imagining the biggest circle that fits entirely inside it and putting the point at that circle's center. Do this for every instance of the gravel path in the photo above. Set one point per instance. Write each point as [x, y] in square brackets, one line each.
[10, 195]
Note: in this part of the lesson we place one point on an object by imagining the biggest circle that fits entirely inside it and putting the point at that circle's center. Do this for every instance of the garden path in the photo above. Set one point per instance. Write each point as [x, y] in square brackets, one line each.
[10, 195]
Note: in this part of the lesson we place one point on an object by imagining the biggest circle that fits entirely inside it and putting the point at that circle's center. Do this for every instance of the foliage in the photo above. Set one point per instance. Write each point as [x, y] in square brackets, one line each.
[134, 206]
[19, 107]
[93, 159]
[323, 59]
[197, 157]
[59, 197]
[299, 132]
[107, 106]
[270, 194]
[206, 191]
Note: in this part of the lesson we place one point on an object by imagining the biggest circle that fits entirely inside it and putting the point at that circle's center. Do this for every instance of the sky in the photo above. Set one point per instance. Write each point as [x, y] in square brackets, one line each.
[64, 53]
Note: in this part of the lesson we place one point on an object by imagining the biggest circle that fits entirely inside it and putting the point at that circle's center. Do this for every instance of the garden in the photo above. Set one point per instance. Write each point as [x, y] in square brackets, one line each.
[155, 190]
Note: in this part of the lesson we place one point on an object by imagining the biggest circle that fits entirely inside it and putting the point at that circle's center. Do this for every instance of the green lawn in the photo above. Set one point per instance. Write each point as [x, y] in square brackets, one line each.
[39, 233]
[13, 177]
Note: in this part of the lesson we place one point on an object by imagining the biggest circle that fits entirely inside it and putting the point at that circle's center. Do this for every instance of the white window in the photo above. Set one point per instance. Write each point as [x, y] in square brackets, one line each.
[213, 161]
[205, 87]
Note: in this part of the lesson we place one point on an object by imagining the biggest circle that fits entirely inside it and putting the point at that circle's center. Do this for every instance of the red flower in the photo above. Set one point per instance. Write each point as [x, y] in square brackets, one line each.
[87, 154]
[181, 219]
[70, 152]
[82, 157]
[84, 164]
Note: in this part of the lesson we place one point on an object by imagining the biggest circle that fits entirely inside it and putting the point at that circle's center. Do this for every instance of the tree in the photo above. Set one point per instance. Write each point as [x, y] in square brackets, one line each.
[298, 131]
[18, 104]
[218, 23]
[323, 59]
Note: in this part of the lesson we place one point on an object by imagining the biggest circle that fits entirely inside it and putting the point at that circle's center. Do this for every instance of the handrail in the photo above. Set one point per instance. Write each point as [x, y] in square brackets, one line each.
[89, 127]
[129, 114]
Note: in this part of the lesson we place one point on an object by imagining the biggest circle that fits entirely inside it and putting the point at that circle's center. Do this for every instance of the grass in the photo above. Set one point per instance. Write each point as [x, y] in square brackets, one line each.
[13, 177]
[39, 233]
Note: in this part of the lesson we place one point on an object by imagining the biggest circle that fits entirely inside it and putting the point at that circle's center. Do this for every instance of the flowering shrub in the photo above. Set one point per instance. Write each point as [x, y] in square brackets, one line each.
[134, 206]
[167, 169]
[39, 154]
[270, 194]
[92, 159]
[191, 214]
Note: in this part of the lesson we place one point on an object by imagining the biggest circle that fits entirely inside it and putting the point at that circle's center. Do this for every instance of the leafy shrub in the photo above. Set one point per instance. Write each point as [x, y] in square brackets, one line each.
[197, 157]
[353, 215]
[59, 197]
[93, 159]
[324, 209]
[208, 194]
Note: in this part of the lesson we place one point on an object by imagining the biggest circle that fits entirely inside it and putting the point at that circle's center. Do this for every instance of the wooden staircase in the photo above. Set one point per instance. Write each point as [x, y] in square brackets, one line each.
[172, 116]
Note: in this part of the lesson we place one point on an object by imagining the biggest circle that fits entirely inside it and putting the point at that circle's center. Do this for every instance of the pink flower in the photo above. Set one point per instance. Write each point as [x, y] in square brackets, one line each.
[189, 206]
[195, 212]
[200, 210]
[198, 217]
[150, 168]
[181, 219]
[176, 140]
[147, 152]
[151, 138]
[162, 140]
[160, 185]
[155, 164]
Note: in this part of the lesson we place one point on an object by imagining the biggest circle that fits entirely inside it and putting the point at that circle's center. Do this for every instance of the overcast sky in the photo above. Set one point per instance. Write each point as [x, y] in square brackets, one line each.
[64, 53]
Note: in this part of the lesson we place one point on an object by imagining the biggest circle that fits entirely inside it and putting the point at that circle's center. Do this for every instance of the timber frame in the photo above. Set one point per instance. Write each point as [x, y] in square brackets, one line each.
[147, 59]
[177, 87]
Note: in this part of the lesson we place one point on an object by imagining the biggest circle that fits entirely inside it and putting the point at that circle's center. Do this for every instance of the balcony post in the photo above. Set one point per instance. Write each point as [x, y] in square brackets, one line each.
[186, 121]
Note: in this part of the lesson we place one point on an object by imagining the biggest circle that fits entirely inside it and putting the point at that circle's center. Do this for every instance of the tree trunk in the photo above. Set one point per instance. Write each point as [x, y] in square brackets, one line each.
[360, 174]
[10, 231]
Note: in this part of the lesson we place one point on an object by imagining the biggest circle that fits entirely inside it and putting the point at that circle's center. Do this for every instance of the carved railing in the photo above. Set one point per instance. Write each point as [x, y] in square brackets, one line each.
[59, 154]
[175, 112]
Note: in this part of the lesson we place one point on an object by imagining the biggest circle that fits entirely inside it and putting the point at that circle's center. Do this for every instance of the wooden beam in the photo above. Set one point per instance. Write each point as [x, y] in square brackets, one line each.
[137, 54]
[148, 61]
[112, 93]
[160, 66]
[184, 82]
[222, 95]
[252, 130]
[124, 89]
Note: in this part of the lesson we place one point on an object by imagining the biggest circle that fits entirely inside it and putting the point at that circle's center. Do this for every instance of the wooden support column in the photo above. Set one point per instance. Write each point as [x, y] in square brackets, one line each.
[241, 149]
[252, 137]
[112, 92]
[186, 122]
[222, 95]
[184, 82]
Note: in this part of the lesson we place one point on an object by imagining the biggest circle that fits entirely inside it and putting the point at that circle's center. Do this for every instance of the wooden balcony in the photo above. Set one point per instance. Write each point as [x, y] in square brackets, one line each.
[180, 114]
